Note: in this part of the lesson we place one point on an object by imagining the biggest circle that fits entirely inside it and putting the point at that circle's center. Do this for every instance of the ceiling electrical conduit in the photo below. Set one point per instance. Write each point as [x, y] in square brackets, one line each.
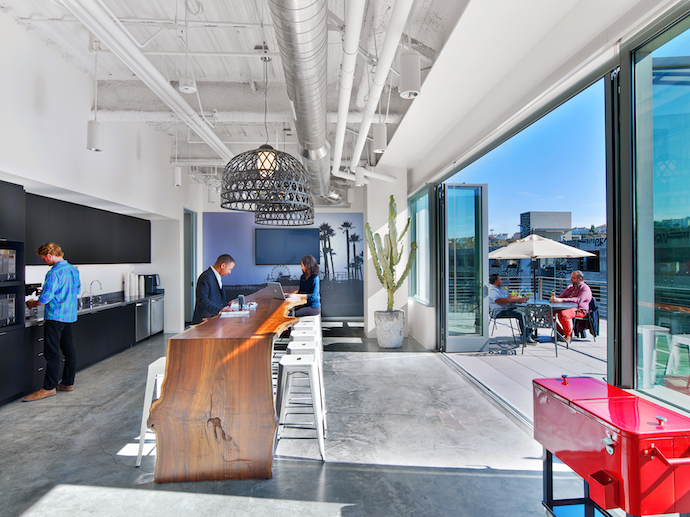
[396, 26]
[353, 31]
[119, 41]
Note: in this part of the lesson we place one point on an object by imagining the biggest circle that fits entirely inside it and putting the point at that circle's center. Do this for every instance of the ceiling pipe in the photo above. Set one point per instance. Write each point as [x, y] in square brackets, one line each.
[396, 26]
[353, 31]
[229, 117]
[99, 22]
[302, 34]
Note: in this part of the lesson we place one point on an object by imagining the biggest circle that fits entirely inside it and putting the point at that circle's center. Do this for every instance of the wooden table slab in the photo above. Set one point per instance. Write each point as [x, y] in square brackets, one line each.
[215, 418]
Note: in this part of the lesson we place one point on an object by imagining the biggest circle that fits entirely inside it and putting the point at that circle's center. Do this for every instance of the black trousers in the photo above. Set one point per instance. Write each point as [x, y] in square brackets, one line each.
[58, 336]
[513, 314]
[307, 311]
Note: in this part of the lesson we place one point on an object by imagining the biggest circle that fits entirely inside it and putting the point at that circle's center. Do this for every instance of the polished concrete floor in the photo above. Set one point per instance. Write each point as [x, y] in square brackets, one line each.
[407, 436]
[507, 370]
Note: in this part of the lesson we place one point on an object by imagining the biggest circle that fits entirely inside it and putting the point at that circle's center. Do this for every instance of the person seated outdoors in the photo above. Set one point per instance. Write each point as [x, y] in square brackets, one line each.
[309, 285]
[501, 305]
[577, 292]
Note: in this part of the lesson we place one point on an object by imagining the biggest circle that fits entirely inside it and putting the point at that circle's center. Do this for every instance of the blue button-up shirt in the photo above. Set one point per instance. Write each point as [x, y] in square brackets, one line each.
[60, 292]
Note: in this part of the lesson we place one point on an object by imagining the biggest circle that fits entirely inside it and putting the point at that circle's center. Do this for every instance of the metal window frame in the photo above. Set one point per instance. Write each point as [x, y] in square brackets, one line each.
[622, 364]
[426, 190]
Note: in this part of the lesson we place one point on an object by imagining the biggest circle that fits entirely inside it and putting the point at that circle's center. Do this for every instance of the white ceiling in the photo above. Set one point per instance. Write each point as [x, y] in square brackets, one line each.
[230, 81]
[485, 64]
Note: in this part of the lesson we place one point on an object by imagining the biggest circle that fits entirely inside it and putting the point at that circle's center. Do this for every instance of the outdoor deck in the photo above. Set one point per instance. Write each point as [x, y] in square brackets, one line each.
[508, 373]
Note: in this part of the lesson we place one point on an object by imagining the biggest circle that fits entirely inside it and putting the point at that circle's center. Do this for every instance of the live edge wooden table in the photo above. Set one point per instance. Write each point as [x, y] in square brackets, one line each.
[215, 418]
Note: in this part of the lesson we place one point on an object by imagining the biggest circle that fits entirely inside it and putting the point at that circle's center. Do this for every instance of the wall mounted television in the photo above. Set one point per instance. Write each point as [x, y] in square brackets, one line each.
[285, 245]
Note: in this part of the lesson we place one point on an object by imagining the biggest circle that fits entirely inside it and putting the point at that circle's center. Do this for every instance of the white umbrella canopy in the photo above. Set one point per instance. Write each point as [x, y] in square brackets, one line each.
[536, 247]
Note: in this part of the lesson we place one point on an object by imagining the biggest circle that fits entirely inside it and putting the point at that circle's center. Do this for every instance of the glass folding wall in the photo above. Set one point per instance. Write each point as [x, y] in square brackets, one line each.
[661, 93]
[420, 284]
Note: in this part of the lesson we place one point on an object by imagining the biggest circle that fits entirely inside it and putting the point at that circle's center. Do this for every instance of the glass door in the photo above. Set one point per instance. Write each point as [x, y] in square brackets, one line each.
[662, 221]
[464, 272]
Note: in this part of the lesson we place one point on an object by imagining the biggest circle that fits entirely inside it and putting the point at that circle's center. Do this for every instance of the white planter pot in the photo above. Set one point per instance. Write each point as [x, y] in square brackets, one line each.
[389, 328]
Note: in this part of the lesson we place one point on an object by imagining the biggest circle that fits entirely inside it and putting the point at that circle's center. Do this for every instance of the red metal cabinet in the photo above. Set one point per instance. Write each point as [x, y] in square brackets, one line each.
[633, 453]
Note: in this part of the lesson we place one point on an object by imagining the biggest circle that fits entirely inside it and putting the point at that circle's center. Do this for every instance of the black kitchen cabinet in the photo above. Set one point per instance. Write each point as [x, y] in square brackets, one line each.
[121, 328]
[12, 363]
[103, 333]
[86, 235]
[82, 337]
[34, 361]
[95, 336]
[12, 212]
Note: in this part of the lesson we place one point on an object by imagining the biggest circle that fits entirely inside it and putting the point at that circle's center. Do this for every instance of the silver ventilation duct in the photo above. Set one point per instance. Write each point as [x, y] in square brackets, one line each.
[302, 34]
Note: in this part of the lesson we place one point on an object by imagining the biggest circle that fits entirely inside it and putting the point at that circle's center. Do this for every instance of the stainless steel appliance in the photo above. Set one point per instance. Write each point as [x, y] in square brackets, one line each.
[8, 265]
[8, 313]
[156, 315]
[151, 283]
[143, 320]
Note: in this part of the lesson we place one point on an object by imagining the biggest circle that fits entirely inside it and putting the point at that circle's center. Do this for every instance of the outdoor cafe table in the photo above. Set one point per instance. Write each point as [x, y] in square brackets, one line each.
[555, 306]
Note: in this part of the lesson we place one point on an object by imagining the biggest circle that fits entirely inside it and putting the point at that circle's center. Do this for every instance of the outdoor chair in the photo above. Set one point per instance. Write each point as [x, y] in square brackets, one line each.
[540, 316]
[589, 322]
[510, 320]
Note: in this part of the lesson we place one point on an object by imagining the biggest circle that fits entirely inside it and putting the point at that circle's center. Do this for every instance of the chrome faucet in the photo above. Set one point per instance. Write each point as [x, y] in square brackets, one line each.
[81, 299]
[91, 292]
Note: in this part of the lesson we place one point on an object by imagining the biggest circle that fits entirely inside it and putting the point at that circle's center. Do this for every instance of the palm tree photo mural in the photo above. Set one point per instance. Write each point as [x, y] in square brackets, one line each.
[346, 227]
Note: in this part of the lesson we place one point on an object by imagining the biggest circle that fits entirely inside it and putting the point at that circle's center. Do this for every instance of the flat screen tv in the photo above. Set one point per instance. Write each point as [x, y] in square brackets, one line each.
[285, 245]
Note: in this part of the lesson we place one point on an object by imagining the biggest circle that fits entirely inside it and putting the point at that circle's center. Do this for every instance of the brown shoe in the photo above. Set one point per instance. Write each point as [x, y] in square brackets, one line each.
[40, 394]
[65, 387]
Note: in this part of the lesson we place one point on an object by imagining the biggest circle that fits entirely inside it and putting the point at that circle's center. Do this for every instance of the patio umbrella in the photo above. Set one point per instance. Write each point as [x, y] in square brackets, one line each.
[535, 247]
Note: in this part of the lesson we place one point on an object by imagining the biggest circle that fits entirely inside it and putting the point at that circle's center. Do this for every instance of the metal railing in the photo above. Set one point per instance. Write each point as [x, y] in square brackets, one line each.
[548, 285]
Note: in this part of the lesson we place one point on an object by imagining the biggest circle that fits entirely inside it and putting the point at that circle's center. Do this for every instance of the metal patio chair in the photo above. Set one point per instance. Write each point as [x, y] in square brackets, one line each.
[540, 316]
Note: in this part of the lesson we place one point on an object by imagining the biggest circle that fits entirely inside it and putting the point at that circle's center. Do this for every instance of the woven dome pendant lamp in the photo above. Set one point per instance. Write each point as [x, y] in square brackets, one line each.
[265, 176]
[271, 183]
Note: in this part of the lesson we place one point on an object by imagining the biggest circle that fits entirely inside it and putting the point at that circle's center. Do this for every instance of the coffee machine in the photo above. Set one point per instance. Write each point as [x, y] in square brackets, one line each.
[151, 284]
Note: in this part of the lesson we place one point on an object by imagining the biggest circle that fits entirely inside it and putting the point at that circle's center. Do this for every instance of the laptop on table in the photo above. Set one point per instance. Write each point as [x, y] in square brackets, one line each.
[277, 292]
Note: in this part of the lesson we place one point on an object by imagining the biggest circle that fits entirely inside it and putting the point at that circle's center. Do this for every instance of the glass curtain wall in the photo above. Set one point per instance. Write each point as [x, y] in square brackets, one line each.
[661, 86]
[420, 278]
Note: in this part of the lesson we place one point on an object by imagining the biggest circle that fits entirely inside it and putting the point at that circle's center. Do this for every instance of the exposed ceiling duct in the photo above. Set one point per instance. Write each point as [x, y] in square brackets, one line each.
[302, 34]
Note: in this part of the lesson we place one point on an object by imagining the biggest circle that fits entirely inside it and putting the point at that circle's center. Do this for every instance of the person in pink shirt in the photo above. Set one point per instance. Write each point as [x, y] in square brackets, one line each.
[577, 292]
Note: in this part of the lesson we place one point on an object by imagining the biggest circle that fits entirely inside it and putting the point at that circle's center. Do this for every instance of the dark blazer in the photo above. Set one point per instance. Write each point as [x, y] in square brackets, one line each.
[210, 298]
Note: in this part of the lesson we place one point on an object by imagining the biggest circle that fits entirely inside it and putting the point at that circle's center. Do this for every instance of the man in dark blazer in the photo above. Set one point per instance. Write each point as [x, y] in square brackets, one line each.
[210, 297]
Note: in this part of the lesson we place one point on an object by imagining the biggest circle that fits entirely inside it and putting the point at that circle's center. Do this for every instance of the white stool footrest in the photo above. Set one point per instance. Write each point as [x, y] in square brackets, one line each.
[309, 366]
[154, 379]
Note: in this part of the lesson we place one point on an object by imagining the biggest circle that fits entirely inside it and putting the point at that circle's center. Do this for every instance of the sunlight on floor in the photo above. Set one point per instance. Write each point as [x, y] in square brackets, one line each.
[82, 500]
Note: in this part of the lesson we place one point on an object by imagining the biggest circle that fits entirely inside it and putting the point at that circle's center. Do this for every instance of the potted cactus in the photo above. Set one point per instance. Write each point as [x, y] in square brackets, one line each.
[390, 324]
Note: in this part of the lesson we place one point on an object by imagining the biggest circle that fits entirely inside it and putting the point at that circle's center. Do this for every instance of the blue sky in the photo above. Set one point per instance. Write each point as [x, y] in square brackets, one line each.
[556, 164]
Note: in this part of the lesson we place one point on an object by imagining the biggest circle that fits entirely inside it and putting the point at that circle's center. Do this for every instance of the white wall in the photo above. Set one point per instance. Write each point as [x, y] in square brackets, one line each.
[422, 323]
[377, 197]
[45, 104]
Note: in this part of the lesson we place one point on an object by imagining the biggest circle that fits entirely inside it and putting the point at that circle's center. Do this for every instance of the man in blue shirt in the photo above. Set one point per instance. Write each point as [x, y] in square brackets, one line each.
[59, 295]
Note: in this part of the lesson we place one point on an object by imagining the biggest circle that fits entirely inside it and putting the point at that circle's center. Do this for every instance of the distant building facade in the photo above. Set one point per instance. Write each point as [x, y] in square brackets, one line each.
[551, 225]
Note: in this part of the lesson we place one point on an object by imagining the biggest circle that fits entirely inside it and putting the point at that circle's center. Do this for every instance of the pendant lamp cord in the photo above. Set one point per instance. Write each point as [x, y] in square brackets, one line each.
[266, 96]
[95, 80]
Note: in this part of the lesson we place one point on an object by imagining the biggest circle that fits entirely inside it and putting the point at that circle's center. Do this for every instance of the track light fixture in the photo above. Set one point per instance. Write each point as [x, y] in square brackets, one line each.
[380, 137]
[94, 129]
[177, 170]
[410, 74]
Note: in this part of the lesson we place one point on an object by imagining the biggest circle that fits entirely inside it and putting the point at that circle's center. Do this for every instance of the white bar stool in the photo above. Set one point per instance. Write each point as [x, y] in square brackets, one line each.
[678, 341]
[650, 335]
[305, 365]
[305, 335]
[313, 348]
[311, 319]
[154, 378]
